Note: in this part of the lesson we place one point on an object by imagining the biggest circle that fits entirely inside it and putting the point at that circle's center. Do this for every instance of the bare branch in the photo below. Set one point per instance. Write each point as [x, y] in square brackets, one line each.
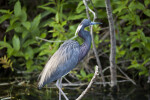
[38, 38]
[94, 47]
[90, 84]
[126, 76]
[149, 76]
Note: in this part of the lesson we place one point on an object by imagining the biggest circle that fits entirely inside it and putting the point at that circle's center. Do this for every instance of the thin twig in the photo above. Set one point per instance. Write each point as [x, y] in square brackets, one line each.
[149, 76]
[88, 87]
[73, 84]
[87, 9]
[120, 81]
[66, 79]
[6, 98]
[106, 68]
[38, 38]
[94, 47]
[2, 84]
[126, 76]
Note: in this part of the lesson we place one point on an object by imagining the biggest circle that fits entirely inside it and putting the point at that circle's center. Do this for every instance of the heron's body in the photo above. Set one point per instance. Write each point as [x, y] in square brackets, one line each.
[66, 57]
[61, 62]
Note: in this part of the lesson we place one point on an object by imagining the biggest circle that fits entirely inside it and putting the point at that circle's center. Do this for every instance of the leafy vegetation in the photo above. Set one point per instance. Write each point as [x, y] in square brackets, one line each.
[6, 62]
[58, 19]
[135, 41]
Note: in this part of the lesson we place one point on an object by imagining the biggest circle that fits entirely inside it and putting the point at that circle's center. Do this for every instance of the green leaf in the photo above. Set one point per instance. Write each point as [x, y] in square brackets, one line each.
[147, 12]
[126, 17]
[37, 50]
[4, 17]
[137, 20]
[120, 8]
[5, 38]
[142, 35]
[28, 42]
[136, 5]
[10, 52]
[82, 72]
[147, 45]
[15, 25]
[145, 61]
[146, 2]
[99, 3]
[50, 9]
[63, 23]
[5, 11]
[55, 34]
[80, 7]
[122, 52]
[19, 29]
[135, 45]
[133, 39]
[29, 53]
[23, 15]
[4, 44]
[13, 19]
[134, 66]
[133, 33]
[29, 64]
[16, 43]
[18, 54]
[44, 49]
[17, 8]
[36, 22]
[144, 72]
[75, 17]
[31, 67]
[57, 17]
[24, 34]
[43, 35]
[26, 24]
[44, 52]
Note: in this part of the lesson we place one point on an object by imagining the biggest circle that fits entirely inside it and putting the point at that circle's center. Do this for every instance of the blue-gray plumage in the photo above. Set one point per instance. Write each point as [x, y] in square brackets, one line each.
[67, 56]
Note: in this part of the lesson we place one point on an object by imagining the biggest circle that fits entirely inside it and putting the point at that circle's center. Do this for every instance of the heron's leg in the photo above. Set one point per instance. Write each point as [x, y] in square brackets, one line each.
[57, 84]
[60, 85]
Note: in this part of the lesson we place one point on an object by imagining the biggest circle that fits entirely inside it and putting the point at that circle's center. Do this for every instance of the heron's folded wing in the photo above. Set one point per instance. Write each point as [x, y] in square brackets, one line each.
[63, 60]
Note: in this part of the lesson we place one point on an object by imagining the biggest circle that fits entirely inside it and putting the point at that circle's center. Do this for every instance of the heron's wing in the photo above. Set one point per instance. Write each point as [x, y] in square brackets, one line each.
[63, 60]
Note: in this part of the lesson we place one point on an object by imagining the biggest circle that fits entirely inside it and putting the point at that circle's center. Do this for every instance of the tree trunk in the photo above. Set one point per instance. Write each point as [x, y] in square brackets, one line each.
[113, 46]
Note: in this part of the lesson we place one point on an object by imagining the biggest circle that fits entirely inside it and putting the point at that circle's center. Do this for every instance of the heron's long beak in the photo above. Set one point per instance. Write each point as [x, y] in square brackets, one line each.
[93, 23]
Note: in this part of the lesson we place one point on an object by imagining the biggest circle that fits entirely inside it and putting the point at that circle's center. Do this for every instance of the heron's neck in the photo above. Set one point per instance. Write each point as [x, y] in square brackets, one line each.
[85, 47]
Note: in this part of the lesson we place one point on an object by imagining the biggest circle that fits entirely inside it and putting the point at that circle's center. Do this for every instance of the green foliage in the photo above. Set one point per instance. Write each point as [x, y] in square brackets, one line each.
[22, 46]
[84, 76]
[63, 18]
[56, 22]
[23, 43]
[134, 41]
[6, 63]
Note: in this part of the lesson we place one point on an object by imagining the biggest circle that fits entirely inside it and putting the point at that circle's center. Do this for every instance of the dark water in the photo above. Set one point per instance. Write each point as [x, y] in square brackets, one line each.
[30, 92]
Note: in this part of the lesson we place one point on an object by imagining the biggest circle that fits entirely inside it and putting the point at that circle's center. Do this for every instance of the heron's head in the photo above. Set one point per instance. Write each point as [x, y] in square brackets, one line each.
[85, 23]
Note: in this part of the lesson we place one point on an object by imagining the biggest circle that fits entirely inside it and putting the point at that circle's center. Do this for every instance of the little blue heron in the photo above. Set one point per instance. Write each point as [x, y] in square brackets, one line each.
[66, 57]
